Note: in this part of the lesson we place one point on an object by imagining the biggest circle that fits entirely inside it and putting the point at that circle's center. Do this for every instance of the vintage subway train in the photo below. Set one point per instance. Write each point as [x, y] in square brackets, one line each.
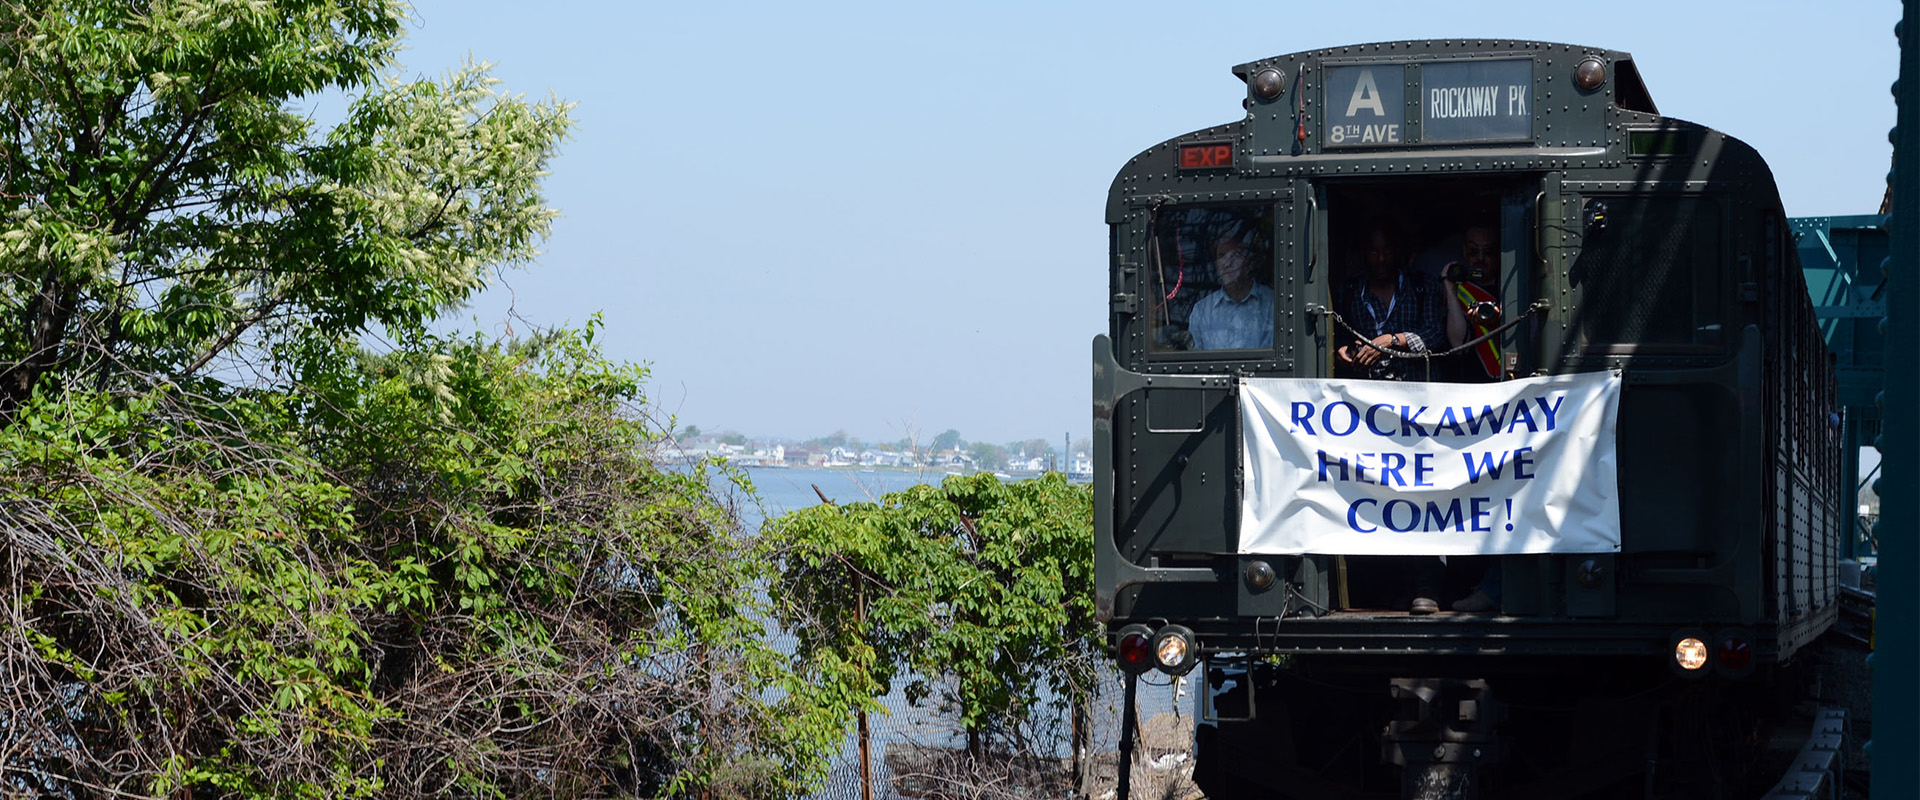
[1312, 304]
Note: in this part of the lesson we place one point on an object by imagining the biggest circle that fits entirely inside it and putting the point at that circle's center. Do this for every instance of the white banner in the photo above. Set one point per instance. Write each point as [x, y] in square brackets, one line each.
[1366, 467]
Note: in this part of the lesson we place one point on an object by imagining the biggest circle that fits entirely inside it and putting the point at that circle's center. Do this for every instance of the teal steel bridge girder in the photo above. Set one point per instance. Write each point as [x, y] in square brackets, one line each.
[1896, 658]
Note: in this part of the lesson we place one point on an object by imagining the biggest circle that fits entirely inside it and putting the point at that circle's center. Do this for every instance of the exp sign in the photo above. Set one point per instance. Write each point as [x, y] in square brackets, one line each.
[1361, 467]
[1208, 155]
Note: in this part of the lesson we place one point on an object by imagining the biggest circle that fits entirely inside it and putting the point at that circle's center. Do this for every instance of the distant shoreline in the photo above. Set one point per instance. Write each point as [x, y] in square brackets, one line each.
[856, 468]
[917, 471]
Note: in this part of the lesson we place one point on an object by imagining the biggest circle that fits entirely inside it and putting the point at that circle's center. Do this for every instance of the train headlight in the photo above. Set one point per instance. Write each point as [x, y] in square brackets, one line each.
[1269, 83]
[1175, 650]
[1136, 649]
[1690, 654]
[1589, 74]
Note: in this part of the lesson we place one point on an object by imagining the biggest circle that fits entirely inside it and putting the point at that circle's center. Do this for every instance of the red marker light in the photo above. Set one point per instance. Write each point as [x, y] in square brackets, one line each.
[1735, 654]
[1136, 649]
[1136, 652]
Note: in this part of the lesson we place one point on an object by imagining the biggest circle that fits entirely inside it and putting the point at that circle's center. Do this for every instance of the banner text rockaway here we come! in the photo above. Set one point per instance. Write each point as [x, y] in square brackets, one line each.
[1392, 468]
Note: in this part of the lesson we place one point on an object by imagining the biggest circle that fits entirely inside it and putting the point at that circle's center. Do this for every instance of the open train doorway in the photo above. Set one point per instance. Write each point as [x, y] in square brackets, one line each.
[1477, 232]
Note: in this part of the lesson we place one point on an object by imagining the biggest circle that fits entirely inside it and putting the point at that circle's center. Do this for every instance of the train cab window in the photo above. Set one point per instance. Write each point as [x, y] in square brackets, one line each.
[1210, 281]
[1650, 277]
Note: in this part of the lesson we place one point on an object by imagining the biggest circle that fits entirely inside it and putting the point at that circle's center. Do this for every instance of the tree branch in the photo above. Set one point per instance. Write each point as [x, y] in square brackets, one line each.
[233, 335]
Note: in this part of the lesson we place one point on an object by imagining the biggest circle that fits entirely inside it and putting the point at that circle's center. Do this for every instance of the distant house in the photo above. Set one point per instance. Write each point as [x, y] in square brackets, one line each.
[777, 457]
[842, 457]
[1034, 465]
[885, 458]
[951, 459]
[1082, 467]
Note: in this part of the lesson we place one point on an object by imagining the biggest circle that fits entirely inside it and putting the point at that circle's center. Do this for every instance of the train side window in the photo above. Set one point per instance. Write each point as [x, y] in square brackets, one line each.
[1651, 276]
[1209, 282]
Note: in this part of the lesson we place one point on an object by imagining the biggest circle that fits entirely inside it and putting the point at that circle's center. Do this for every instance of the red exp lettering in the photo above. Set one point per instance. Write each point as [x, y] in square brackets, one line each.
[1206, 156]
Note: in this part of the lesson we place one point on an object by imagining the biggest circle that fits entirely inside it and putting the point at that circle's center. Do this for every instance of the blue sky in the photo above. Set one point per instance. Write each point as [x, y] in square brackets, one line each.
[887, 217]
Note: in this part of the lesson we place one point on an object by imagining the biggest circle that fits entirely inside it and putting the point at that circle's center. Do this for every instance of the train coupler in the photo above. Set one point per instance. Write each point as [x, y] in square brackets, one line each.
[1443, 733]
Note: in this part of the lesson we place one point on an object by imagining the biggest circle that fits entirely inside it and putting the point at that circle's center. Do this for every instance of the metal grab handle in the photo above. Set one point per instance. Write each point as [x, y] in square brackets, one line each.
[1539, 227]
[1313, 234]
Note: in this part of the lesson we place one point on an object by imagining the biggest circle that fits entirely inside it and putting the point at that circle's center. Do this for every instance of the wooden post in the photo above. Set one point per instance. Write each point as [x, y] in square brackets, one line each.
[1079, 742]
[865, 733]
[1128, 722]
[866, 758]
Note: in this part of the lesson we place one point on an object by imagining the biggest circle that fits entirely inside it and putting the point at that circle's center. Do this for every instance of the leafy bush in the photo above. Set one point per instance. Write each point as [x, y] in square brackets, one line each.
[483, 588]
[974, 593]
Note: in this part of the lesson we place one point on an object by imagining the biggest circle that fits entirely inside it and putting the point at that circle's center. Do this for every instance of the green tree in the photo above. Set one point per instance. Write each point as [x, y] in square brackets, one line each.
[987, 455]
[249, 558]
[173, 209]
[948, 439]
[976, 593]
[690, 431]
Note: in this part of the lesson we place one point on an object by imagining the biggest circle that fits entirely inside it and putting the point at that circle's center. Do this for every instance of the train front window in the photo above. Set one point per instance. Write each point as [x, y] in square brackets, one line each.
[1650, 276]
[1210, 279]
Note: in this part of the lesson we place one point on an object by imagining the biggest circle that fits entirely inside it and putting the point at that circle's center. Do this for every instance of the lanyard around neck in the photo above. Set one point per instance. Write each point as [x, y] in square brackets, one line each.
[1366, 299]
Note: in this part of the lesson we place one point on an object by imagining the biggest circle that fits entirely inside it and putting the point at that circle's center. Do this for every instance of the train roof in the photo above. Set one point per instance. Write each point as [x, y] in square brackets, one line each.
[1439, 106]
[1630, 90]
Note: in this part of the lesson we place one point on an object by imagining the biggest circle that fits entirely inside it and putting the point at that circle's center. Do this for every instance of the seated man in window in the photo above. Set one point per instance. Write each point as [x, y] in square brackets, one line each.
[1238, 315]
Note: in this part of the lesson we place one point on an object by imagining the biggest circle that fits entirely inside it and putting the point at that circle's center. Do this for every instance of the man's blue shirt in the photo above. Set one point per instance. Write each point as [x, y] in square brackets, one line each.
[1219, 322]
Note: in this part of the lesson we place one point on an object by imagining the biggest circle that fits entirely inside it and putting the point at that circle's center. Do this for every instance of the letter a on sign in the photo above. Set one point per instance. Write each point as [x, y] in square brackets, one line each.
[1366, 94]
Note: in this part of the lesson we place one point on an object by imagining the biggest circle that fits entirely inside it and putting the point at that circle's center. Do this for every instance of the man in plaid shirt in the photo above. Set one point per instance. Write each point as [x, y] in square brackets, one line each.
[1395, 308]
[1409, 312]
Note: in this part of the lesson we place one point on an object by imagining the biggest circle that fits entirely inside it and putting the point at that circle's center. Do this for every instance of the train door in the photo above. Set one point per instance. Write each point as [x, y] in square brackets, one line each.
[1418, 232]
[1400, 256]
[1202, 288]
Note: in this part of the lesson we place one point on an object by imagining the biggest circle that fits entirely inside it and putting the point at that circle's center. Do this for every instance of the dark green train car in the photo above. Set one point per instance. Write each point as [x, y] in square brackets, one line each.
[1614, 239]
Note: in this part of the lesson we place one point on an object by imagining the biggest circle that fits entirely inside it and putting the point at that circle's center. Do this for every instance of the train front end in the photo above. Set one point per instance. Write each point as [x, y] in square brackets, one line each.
[1470, 323]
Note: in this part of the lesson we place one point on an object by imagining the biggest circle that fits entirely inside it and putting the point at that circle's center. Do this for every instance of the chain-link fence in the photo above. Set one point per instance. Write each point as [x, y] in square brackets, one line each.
[921, 751]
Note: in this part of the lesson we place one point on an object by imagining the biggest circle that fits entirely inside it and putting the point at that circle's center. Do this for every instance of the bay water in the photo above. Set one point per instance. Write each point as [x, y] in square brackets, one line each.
[790, 489]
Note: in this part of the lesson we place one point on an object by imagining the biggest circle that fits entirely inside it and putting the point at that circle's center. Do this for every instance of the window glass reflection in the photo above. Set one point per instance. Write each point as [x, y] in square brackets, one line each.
[1211, 283]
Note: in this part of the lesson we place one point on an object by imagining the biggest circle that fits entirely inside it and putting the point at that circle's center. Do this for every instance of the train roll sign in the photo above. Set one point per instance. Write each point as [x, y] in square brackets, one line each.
[1458, 102]
[1365, 106]
[1208, 155]
[1476, 101]
[1362, 467]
